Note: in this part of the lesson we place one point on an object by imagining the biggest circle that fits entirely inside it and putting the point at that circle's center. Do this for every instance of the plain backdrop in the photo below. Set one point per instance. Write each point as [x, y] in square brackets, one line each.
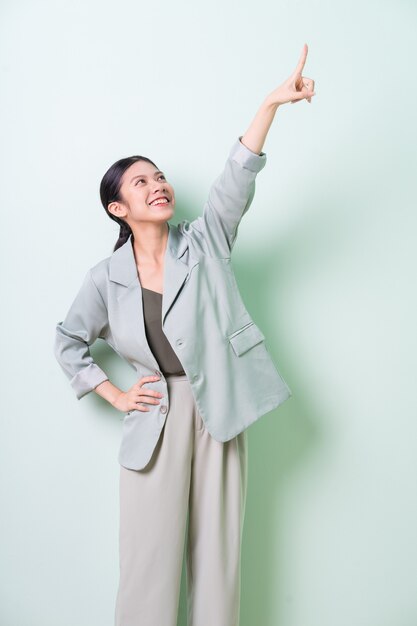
[326, 264]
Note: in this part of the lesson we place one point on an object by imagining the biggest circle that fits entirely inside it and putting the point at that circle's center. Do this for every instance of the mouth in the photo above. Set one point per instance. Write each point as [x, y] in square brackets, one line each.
[162, 201]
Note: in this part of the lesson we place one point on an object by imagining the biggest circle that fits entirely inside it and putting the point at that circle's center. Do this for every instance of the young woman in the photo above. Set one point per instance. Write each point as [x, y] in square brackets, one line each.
[167, 302]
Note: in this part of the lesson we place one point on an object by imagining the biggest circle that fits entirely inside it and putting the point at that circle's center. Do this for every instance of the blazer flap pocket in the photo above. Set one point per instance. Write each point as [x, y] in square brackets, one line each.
[245, 338]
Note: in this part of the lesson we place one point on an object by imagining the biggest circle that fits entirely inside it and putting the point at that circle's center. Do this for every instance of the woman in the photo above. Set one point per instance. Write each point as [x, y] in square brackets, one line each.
[167, 301]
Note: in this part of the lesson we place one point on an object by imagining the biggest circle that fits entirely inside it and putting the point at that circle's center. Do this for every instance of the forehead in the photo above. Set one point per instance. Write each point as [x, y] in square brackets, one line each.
[139, 168]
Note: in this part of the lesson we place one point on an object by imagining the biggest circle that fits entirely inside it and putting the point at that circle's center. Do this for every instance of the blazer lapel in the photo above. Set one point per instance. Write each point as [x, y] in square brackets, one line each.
[178, 264]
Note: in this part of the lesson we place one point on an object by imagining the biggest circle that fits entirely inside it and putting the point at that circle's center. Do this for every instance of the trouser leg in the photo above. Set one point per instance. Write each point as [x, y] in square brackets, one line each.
[153, 516]
[216, 515]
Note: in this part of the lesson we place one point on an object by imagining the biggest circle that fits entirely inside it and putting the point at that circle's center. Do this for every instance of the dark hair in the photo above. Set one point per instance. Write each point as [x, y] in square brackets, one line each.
[110, 192]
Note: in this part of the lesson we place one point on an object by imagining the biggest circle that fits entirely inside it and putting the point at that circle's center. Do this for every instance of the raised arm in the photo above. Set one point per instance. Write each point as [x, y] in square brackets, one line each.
[233, 191]
[229, 198]
[294, 89]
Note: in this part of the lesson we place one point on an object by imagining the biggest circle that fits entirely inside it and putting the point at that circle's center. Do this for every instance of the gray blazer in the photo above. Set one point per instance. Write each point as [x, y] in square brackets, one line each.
[223, 352]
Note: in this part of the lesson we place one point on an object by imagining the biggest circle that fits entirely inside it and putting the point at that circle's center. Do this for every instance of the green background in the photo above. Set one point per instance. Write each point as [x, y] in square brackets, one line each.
[326, 264]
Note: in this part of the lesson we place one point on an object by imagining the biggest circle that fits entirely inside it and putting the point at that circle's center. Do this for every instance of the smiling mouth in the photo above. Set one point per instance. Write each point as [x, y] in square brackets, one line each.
[159, 203]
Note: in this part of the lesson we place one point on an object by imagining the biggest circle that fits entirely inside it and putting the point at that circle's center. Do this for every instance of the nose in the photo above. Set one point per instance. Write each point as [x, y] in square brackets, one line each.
[160, 188]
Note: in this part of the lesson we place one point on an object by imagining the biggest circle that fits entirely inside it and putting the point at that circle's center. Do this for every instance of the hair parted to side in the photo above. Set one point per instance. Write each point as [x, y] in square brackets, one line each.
[110, 192]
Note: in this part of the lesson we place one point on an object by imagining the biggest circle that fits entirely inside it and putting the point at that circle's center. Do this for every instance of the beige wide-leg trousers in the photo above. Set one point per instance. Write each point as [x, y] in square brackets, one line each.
[189, 473]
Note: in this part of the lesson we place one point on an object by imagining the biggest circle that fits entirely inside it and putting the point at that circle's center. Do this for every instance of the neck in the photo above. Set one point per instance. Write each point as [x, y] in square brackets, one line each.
[150, 242]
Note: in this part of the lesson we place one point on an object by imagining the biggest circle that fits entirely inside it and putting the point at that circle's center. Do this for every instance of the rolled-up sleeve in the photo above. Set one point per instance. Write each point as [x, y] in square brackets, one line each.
[230, 196]
[85, 321]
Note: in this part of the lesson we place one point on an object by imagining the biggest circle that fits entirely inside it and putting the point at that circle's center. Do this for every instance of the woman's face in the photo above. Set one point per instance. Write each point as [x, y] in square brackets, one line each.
[142, 185]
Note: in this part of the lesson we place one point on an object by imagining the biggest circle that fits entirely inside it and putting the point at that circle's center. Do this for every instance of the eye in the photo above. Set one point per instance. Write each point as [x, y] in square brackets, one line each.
[142, 179]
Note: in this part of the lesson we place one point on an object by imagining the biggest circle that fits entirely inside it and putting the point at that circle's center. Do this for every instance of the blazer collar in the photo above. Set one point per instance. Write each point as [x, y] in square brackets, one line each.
[178, 264]
[123, 268]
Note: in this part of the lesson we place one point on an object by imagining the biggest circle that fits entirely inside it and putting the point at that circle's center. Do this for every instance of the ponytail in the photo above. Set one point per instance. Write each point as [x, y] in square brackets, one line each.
[124, 234]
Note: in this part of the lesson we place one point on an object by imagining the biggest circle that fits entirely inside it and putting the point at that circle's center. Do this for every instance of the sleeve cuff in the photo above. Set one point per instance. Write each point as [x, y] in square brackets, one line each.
[247, 158]
[88, 379]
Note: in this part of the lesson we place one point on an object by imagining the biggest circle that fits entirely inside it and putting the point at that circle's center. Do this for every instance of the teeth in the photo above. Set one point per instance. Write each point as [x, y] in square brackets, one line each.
[159, 202]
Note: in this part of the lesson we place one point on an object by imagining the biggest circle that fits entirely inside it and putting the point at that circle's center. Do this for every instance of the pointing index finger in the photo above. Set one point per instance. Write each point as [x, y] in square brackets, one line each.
[302, 60]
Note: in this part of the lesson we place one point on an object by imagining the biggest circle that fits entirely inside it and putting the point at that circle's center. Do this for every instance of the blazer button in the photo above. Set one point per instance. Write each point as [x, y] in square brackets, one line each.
[163, 408]
[179, 342]
[158, 373]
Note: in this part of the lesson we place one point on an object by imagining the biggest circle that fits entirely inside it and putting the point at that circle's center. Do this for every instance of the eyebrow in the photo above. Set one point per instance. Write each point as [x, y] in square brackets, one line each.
[144, 175]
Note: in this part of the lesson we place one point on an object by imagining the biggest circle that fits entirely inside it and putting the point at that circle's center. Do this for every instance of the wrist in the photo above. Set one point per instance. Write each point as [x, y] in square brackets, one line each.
[115, 398]
[109, 392]
[269, 106]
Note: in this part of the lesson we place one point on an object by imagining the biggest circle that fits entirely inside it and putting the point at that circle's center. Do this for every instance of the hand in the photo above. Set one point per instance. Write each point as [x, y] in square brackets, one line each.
[296, 87]
[129, 400]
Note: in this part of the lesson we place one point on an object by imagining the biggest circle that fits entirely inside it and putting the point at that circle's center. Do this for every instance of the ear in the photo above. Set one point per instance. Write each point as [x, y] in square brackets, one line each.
[116, 209]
